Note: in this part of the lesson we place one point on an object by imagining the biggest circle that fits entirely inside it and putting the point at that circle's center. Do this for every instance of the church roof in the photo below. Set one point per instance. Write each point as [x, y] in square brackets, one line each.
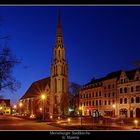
[36, 88]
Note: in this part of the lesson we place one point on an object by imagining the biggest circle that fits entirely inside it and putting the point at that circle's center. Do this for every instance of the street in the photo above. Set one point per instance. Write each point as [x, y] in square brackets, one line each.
[16, 123]
[74, 123]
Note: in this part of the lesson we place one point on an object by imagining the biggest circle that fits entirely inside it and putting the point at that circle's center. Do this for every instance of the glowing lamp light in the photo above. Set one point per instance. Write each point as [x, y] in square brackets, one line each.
[20, 104]
[40, 109]
[32, 116]
[1, 108]
[114, 106]
[70, 109]
[51, 117]
[136, 121]
[80, 108]
[15, 106]
[43, 96]
[69, 120]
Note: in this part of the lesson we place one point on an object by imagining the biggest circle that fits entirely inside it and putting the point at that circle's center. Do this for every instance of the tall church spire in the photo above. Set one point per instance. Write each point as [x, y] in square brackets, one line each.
[59, 75]
[59, 38]
[59, 29]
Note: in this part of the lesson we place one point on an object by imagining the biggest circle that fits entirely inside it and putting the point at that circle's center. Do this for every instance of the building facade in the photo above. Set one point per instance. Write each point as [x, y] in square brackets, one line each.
[55, 87]
[5, 108]
[116, 95]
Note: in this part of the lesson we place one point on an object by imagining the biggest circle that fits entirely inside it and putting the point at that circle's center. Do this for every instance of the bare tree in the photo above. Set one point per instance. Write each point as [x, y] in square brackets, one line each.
[74, 88]
[64, 104]
[7, 63]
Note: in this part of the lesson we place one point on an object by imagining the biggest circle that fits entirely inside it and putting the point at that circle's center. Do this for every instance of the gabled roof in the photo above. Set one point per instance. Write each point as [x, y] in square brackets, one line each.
[36, 88]
[112, 75]
[94, 81]
[131, 73]
[7, 101]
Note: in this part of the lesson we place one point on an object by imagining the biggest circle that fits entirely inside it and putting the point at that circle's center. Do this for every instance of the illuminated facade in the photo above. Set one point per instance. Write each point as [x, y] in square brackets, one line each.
[116, 95]
[5, 108]
[55, 87]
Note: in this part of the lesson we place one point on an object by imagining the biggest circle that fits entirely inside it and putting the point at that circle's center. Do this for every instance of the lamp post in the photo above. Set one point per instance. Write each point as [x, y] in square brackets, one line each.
[43, 98]
[136, 123]
[14, 109]
[20, 105]
[114, 106]
[80, 108]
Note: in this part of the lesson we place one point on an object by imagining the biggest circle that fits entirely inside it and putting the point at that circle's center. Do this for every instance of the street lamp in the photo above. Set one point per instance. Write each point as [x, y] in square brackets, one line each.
[114, 106]
[14, 110]
[69, 120]
[43, 98]
[20, 105]
[15, 106]
[136, 123]
[80, 108]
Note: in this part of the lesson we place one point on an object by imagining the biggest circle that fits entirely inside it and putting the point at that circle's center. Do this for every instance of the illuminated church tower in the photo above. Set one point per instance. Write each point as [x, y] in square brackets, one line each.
[59, 77]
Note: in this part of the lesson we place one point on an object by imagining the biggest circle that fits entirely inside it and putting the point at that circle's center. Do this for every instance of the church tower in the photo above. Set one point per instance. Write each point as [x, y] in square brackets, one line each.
[59, 76]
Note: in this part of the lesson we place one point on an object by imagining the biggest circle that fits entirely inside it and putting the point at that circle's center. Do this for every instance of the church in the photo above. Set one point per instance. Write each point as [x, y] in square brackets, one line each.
[49, 95]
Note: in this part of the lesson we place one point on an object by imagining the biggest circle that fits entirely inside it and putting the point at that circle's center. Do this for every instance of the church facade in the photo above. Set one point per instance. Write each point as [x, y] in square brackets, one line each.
[54, 88]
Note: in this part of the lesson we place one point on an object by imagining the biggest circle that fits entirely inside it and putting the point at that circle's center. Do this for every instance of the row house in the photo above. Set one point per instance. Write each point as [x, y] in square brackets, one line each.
[116, 95]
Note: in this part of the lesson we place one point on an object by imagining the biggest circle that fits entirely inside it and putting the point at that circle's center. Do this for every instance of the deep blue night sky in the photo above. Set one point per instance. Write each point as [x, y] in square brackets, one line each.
[98, 40]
